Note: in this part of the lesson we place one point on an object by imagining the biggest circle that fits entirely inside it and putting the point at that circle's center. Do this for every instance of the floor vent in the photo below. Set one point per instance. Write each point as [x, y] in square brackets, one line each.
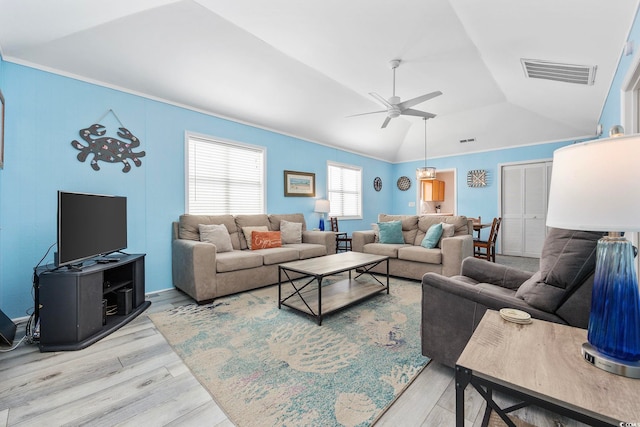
[568, 73]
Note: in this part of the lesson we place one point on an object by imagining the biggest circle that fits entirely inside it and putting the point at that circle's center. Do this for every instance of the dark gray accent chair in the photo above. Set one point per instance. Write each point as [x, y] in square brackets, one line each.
[559, 292]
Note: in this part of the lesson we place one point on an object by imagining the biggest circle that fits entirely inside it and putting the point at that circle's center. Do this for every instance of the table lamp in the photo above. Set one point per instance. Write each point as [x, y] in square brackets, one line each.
[594, 187]
[322, 207]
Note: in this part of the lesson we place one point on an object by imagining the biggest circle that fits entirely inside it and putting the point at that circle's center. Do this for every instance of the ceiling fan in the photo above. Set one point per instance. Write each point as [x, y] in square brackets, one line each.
[396, 108]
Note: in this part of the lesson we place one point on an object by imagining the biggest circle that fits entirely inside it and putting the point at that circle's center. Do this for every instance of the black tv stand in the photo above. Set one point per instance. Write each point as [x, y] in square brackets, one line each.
[71, 309]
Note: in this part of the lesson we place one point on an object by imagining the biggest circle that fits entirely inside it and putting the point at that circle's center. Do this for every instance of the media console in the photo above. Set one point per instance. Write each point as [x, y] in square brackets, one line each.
[79, 307]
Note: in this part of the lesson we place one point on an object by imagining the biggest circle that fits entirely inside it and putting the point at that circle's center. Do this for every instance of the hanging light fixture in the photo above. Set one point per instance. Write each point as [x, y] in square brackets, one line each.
[425, 173]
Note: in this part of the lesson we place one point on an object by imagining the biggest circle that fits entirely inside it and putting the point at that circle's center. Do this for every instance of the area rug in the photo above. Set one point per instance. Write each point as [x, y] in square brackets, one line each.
[271, 367]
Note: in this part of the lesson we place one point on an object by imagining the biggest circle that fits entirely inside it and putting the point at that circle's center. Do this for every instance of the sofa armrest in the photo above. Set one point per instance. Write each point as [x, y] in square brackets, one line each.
[452, 309]
[454, 250]
[328, 239]
[361, 238]
[193, 268]
[488, 272]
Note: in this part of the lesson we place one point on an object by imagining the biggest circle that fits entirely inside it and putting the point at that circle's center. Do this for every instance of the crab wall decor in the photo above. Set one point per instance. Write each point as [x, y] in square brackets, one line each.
[108, 149]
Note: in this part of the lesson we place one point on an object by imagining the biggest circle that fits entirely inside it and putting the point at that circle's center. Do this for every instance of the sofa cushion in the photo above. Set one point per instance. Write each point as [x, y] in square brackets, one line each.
[308, 250]
[278, 255]
[291, 231]
[420, 254]
[257, 220]
[216, 234]
[237, 260]
[568, 258]
[432, 237]
[188, 226]
[391, 232]
[409, 225]
[265, 239]
[387, 249]
[248, 231]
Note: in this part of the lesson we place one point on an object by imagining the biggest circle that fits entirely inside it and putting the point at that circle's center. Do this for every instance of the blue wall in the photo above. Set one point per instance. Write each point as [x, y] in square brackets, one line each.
[45, 111]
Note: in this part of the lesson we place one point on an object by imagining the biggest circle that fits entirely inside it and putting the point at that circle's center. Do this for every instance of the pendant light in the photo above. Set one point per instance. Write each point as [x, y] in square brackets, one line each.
[425, 173]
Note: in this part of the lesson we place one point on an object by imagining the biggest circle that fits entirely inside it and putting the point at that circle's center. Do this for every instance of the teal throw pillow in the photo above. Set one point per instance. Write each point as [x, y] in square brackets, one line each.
[391, 232]
[432, 237]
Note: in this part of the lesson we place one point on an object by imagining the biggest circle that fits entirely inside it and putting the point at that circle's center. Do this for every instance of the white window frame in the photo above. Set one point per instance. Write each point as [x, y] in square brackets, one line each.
[207, 139]
[343, 166]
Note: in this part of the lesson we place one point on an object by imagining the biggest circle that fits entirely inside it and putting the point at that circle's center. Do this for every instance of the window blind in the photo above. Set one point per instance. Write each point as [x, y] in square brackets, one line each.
[344, 190]
[224, 177]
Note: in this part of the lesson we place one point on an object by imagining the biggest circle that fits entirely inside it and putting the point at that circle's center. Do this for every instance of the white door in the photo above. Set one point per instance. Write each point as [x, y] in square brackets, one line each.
[525, 192]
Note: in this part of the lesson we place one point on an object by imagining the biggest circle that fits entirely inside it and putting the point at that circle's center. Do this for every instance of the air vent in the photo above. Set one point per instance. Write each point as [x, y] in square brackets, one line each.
[568, 73]
[464, 141]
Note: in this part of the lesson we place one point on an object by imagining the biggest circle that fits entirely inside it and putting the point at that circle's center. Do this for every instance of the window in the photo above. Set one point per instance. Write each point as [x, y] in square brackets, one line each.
[224, 177]
[344, 188]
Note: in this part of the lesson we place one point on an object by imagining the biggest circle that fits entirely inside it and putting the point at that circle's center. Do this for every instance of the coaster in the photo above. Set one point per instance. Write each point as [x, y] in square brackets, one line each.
[515, 316]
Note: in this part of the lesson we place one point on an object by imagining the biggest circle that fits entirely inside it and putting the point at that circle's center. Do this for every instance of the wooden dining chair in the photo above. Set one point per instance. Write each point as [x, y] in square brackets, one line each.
[343, 241]
[476, 221]
[486, 249]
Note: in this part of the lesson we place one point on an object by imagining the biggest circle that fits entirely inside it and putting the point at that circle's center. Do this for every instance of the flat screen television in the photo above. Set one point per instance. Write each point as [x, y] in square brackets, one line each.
[89, 225]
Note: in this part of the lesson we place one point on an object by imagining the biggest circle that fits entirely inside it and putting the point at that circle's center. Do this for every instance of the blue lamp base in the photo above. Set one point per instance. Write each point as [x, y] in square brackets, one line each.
[321, 225]
[614, 321]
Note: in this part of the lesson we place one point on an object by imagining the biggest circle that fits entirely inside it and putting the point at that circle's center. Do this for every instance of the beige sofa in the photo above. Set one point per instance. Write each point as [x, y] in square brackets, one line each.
[410, 259]
[205, 273]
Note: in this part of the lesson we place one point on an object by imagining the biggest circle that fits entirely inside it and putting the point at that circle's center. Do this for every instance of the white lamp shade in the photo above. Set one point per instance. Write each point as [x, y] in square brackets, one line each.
[594, 186]
[322, 206]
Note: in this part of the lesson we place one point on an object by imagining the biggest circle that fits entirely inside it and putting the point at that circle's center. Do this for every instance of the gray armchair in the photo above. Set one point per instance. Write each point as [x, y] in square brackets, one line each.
[559, 292]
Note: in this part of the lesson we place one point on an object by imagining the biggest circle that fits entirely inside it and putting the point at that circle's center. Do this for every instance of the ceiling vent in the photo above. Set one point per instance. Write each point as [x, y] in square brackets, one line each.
[464, 141]
[568, 73]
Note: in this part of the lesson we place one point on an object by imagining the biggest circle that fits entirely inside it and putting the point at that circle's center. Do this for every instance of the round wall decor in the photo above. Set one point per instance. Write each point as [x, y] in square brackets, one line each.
[377, 183]
[477, 178]
[404, 183]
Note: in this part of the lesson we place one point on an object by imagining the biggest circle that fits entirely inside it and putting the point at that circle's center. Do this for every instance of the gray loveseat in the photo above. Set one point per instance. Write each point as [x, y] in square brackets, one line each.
[559, 292]
[204, 272]
[411, 260]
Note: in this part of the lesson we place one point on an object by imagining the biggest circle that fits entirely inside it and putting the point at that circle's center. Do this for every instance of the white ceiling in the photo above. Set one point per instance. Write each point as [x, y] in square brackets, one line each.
[300, 67]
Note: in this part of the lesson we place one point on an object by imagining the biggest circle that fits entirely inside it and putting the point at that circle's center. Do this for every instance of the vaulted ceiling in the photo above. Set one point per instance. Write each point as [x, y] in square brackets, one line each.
[301, 67]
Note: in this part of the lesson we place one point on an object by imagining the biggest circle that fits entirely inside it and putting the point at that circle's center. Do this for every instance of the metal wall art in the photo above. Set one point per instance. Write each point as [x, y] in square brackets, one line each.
[106, 148]
[477, 178]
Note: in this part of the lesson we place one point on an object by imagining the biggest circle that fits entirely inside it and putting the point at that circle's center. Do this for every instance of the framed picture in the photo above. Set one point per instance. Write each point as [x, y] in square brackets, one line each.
[300, 184]
[1, 130]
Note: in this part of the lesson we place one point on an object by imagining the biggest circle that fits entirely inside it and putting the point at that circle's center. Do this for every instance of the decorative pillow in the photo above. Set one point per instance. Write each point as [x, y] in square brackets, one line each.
[432, 237]
[376, 232]
[291, 232]
[265, 239]
[448, 230]
[216, 234]
[391, 232]
[248, 230]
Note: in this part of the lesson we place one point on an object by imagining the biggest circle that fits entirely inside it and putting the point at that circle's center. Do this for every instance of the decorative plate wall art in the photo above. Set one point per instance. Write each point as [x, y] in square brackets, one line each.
[477, 178]
[404, 183]
[377, 183]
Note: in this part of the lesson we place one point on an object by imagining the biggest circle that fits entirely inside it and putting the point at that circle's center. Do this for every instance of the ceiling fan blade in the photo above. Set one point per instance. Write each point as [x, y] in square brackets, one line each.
[364, 114]
[417, 113]
[386, 122]
[381, 99]
[418, 100]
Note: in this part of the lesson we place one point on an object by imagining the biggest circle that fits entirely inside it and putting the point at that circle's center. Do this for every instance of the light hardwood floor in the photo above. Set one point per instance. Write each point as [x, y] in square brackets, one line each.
[133, 377]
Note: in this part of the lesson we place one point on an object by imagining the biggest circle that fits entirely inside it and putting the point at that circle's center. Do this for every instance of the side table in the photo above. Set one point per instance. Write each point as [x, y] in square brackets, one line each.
[541, 364]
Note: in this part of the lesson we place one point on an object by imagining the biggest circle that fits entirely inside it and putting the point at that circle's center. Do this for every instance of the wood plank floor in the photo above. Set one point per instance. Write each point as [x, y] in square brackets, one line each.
[133, 377]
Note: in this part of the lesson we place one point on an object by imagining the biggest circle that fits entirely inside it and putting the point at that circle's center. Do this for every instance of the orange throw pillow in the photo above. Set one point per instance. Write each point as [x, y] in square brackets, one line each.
[265, 239]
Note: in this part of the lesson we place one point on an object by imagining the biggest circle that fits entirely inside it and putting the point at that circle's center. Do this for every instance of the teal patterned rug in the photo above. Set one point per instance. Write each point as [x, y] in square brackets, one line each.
[270, 367]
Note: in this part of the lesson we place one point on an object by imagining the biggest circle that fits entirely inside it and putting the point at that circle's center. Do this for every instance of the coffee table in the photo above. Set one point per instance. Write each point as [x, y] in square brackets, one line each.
[323, 299]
